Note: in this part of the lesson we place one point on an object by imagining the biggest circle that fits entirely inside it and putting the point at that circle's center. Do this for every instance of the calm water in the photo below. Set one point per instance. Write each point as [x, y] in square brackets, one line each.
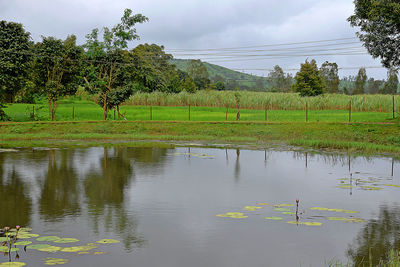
[162, 205]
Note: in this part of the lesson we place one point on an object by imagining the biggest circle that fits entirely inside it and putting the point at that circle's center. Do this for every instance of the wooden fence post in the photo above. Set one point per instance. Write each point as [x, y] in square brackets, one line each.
[306, 111]
[73, 111]
[350, 110]
[151, 112]
[393, 107]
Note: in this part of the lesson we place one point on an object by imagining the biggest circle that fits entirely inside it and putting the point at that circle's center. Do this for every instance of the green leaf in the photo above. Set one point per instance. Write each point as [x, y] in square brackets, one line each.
[48, 238]
[252, 208]
[305, 223]
[50, 249]
[55, 261]
[12, 264]
[273, 218]
[107, 241]
[282, 209]
[79, 248]
[66, 240]
[27, 236]
[289, 213]
[38, 246]
[23, 243]
[4, 249]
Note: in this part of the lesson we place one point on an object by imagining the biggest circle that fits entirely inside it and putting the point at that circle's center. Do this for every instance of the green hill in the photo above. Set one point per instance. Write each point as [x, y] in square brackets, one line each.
[244, 81]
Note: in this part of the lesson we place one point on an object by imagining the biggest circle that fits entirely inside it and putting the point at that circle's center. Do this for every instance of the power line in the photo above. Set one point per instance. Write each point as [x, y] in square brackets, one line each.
[265, 45]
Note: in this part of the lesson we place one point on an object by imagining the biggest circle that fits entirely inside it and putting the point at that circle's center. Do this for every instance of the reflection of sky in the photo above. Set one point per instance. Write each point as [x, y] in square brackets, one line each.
[173, 200]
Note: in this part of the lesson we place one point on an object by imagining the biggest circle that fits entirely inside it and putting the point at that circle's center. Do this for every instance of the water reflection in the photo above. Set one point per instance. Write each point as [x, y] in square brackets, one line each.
[60, 194]
[380, 235]
[15, 203]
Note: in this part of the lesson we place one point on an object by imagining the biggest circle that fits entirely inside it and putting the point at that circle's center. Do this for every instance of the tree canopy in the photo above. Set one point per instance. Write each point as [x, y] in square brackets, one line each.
[379, 24]
[308, 80]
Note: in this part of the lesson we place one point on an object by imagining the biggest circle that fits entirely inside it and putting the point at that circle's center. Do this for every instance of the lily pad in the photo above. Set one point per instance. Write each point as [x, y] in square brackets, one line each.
[4, 249]
[289, 213]
[55, 261]
[26, 235]
[284, 205]
[50, 249]
[337, 218]
[23, 243]
[48, 238]
[371, 188]
[38, 246]
[3, 238]
[350, 211]
[319, 208]
[282, 209]
[274, 218]
[345, 186]
[393, 185]
[79, 248]
[66, 240]
[335, 210]
[107, 241]
[12, 264]
[352, 220]
[262, 204]
[305, 223]
[252, 208]
[235, 215]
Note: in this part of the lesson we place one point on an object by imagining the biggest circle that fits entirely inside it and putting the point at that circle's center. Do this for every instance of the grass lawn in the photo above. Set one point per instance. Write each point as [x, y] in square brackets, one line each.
[85, 110]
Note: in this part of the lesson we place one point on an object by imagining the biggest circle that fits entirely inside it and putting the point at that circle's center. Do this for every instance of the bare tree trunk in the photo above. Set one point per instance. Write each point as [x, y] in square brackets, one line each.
[238, 113]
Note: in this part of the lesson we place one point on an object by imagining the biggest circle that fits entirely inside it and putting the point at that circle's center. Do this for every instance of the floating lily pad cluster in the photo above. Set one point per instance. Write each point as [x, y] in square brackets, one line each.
[15, 240]
[368, 184]
[291, 209]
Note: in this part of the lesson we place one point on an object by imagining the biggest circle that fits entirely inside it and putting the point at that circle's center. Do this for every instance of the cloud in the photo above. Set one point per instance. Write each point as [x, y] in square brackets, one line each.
[199, 23]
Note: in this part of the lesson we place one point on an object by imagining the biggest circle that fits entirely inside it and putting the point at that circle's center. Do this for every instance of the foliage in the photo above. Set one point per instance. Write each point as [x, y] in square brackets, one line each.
[220, 86]
[198, 72]
[57, 68]
[148, 65]
[379, 24]
[360, 83]
[280, 82]
[14, 59]
[105, 74]
[392, 82]
[374, 85]
[329, 72]
[308, 80]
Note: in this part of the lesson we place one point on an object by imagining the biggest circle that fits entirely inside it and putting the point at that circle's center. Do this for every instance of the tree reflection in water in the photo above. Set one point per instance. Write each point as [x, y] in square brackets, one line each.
[377, 238]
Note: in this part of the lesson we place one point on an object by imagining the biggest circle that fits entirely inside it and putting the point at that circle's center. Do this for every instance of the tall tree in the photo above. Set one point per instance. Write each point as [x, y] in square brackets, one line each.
[150, 69]
[330, 73]
[280, 82]
[199, 74]
[392, 83]
[374, 86]
[103, 75]
[57, 68]
[379, 24]
[360, 83]
[309, 82]
[15, 57]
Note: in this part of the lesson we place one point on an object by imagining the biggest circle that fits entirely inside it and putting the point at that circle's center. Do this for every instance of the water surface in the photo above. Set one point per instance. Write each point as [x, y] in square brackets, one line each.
[162, 205]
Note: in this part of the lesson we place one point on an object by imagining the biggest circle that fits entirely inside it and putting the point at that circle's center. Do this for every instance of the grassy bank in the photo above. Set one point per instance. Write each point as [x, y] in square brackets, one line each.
[365, 138]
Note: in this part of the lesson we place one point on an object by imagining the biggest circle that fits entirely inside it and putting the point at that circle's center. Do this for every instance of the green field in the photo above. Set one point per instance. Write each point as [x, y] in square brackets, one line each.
[75, 110]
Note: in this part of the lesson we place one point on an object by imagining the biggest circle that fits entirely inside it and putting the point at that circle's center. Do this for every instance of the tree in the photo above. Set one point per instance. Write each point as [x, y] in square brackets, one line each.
[199, 74]
[379, 23]
[189, 85]
[14, 61]
[220, 86]
[308, 80]
[392, 83]
[330, 73]
[260, 84]
[104, 74]
[374, 86]
[149, 67]
[280, 82]
[57, 68]
[361, 80]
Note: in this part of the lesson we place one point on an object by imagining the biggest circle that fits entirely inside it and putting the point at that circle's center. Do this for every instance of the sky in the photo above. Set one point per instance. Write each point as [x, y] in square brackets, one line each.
[181, 26]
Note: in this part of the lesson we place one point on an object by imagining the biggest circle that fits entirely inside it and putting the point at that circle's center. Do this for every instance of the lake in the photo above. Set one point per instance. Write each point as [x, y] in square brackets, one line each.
[198, 207]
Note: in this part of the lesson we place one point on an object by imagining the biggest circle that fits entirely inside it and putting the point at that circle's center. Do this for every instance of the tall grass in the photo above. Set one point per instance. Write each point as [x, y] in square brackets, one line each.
[261, 100]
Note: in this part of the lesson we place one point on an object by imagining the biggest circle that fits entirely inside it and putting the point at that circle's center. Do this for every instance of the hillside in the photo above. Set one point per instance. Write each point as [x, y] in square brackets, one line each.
[243, 79]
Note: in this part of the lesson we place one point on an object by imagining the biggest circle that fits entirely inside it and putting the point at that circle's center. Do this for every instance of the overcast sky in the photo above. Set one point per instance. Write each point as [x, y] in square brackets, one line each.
[202, 24]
